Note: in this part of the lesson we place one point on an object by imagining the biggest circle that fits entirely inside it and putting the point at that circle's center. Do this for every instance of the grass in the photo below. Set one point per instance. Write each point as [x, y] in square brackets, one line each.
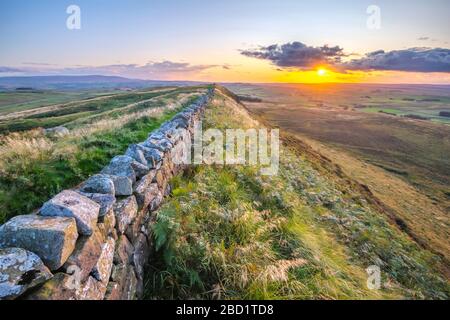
[412, 150]
[229, 233]
[34, 167]
[385, 110]
[74, 111]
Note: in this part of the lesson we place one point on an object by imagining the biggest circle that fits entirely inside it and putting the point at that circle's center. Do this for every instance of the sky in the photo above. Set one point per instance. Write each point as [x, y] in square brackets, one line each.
[230, 41]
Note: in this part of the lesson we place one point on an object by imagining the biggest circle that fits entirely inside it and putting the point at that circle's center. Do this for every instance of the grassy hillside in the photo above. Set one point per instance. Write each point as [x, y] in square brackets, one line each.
[403, 163]
[228, 232]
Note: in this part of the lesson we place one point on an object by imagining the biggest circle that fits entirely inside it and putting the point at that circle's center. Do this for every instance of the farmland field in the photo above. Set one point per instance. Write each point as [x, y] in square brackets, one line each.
[404, 162]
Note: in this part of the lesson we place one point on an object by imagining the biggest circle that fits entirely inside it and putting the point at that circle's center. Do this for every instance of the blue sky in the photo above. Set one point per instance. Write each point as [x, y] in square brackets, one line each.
[204, 36]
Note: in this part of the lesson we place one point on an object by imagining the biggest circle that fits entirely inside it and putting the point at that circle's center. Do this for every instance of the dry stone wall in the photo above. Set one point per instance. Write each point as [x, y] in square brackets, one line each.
[94, 242]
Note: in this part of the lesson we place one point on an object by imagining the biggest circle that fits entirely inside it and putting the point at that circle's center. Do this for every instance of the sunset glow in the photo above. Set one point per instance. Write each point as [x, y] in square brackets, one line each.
[321, 72]
[151, 46]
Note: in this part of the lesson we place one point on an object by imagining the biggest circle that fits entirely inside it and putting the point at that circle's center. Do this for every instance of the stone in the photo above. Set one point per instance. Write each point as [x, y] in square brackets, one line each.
[20, 270]
[141, 255]
[51, 238]
[122, 185]
[159, 178]
[135, 152]
[181, 121]
[145, 191]
[119, 273]
[85, 256]
[135, 228]
[168, 190]
[72, 204]
[156, 202]
[125, 211]
[113, 291]
[106, 201]
[153, 156]
[130, 287]
[57, 131]
[121, 166]
[125, 166]
[102, 270]
[61, 287]
[124, 251]
[107, 224]
[93, 290]
[99, 183]
[139, 169]
[161, 144]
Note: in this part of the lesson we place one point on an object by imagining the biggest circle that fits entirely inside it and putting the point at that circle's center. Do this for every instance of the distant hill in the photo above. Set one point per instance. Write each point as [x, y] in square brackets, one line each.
[82, 82]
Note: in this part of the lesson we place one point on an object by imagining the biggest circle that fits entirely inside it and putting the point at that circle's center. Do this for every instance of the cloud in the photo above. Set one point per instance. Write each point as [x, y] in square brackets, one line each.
[423, 38]
[38, 64]
[151, 69]
[413, 59]
[298, 55]
[9, 70]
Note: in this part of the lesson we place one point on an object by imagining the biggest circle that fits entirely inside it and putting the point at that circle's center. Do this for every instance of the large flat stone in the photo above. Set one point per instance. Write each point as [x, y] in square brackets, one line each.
[137, 226]
[72, 204]
[125, 211]
[107, 224]
[139, 169]
[121, 166]
[124, 251]
[51, 238]
[135, 152]
[102, 270]
[99, 183]
[20, 270]
[86, 254]
[161, 144]
[123, 185]
[145, 190]
[153, 156]
[106, 201]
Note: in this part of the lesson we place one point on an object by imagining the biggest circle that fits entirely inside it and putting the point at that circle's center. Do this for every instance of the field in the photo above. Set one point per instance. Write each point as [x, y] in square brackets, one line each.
[403, 162]
[14, 101]
[34, 165]
[340, 202]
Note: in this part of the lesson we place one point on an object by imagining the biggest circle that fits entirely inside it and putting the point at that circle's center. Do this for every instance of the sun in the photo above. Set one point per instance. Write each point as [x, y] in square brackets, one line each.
[321, 72]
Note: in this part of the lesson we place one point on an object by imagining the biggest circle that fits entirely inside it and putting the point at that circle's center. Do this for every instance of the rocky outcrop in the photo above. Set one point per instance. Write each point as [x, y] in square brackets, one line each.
[94, 242]
[57, 131]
